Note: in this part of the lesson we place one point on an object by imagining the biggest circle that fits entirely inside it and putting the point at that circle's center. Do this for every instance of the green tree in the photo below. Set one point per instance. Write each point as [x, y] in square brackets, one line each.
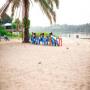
[4, 32]
[46, 5]
[14, 25]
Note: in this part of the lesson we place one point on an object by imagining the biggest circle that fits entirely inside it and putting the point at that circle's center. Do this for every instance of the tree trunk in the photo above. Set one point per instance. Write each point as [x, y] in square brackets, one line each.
[26, 29]
[26, 35]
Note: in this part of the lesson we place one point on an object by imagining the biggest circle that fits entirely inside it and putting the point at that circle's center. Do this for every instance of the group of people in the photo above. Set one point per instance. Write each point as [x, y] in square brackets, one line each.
[45, 40]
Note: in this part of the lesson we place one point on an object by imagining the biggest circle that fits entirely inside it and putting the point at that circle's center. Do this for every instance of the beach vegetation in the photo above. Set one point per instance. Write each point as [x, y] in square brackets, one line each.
[46, 5]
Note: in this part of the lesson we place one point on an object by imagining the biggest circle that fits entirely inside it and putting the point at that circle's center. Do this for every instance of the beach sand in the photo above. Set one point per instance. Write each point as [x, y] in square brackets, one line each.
[33, 67]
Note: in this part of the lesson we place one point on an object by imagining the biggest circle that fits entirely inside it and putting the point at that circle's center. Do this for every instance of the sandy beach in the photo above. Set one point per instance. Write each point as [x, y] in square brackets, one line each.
[33, 67]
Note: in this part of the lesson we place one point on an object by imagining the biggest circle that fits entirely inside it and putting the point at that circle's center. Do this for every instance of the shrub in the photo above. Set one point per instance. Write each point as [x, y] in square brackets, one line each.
[2, 31]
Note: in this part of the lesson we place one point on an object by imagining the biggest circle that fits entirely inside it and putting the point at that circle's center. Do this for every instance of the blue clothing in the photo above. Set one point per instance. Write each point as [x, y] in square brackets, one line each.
[37, 41]
[42, 40]
[33, 40]
[53, 42]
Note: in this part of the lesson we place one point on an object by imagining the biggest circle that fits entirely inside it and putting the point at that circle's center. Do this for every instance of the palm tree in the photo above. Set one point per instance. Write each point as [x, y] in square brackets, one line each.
[46, 5]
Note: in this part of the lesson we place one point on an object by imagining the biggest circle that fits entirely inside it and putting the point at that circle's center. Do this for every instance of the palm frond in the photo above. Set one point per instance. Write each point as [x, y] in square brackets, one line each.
[15, 4]
[56, 2]
[4, 8]
[47, 7]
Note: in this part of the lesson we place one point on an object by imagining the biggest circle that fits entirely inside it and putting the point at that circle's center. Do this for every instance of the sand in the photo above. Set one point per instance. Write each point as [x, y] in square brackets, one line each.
[32, 67]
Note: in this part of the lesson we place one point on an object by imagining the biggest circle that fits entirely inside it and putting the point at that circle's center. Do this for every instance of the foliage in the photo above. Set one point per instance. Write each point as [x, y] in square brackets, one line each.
[26, 23]
[14, 25]
[18, 24]
[2, 31]
[46, 5]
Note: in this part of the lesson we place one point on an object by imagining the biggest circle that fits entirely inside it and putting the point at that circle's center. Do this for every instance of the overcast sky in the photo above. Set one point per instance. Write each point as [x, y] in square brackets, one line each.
[70, 12]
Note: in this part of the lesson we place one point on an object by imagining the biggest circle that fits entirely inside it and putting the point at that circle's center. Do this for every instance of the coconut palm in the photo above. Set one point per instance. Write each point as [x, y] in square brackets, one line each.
[46, 5]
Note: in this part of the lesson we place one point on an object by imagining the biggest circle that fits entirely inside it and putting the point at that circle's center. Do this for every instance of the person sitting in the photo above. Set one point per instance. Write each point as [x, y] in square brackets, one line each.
[33, 38]
[50, 39]
[57, 41]
[42, 39]
[53, 40]
[46, 40]
[37, 40]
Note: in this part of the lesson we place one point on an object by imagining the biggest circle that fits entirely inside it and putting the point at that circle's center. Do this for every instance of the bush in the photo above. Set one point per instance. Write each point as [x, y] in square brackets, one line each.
[2, 31]
[14, 25]
[26, 22]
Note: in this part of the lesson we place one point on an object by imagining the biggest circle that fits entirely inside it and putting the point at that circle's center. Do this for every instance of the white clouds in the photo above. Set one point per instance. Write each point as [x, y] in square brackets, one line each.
[70, 12]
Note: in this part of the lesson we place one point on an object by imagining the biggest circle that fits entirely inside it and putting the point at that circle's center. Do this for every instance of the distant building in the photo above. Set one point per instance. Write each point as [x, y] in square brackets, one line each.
[8, 25]
[6, 21]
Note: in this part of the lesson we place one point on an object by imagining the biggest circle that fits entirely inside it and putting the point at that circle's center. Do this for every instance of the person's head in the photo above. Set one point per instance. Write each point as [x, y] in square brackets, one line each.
[42, 34]
[34, 34]
[50, 34]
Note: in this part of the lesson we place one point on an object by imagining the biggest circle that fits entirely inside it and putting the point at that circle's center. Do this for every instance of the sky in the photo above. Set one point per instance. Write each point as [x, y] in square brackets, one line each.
[72, 12]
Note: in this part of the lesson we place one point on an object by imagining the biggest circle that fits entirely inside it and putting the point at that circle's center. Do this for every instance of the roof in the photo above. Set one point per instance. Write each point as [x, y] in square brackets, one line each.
[7, 24]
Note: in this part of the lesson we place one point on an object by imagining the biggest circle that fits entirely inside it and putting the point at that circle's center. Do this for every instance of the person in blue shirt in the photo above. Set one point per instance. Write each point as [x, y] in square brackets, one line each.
[46, 40]
[37, 40]
[42, 39]
[33, 38]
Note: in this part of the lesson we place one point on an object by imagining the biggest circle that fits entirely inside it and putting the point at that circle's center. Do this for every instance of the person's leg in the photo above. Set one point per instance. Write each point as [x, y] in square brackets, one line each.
[53, 42]
[32, 41]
